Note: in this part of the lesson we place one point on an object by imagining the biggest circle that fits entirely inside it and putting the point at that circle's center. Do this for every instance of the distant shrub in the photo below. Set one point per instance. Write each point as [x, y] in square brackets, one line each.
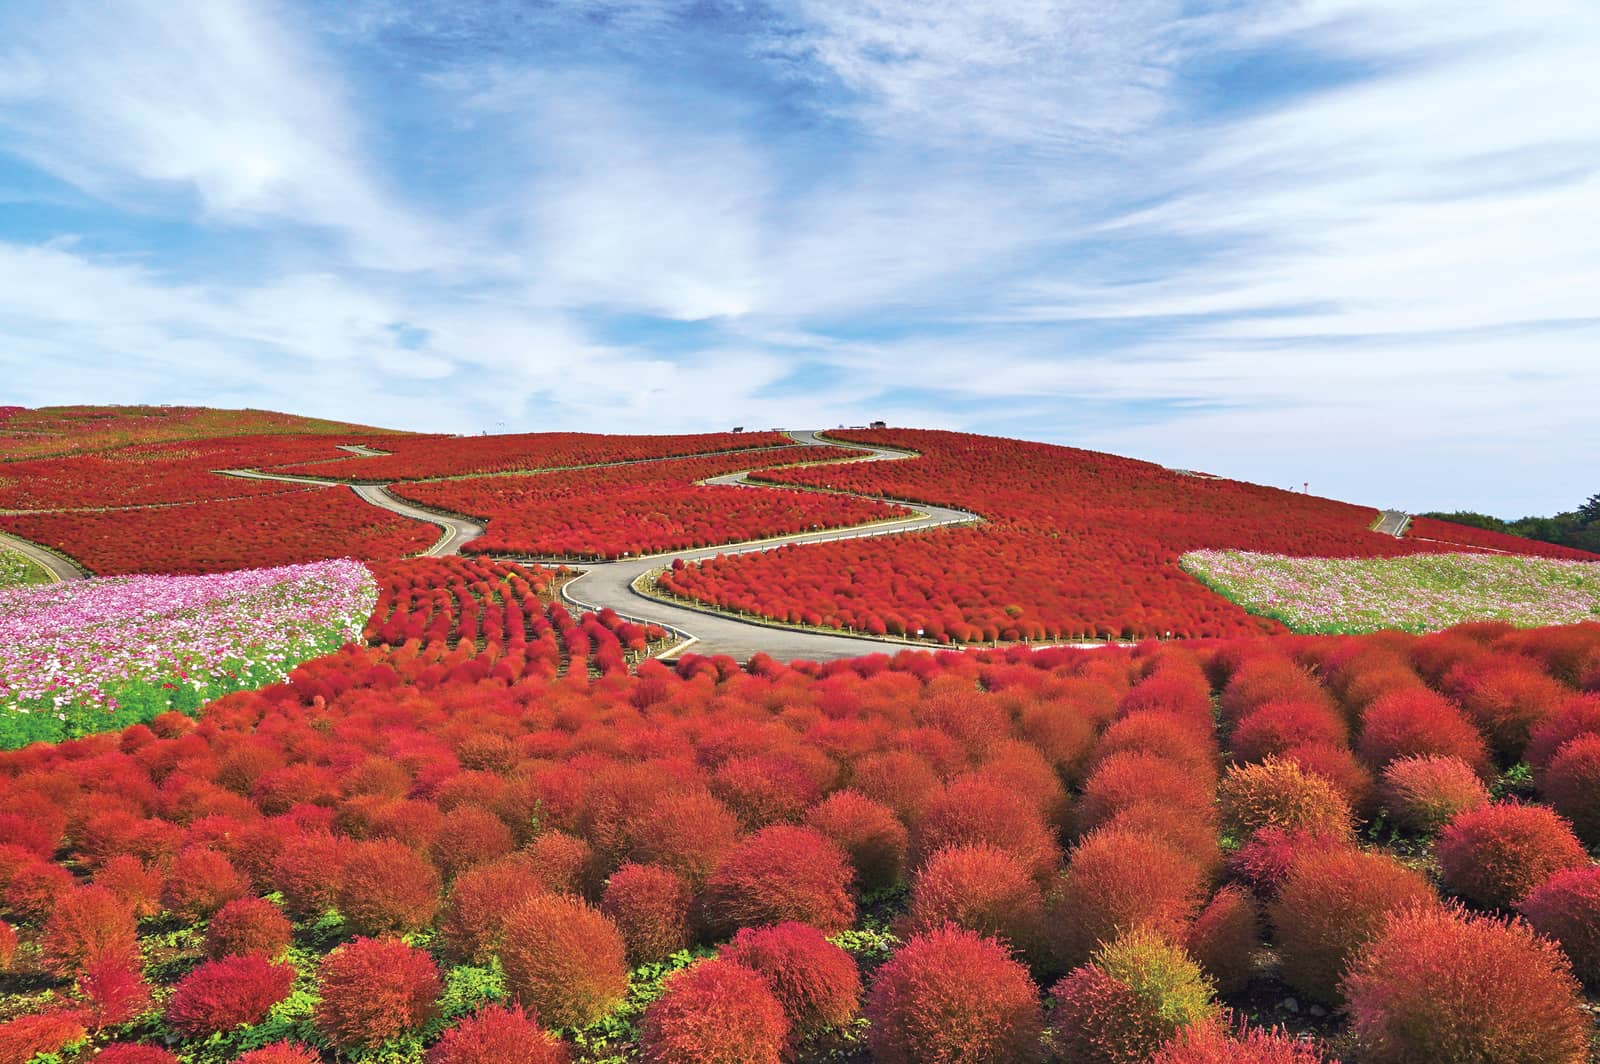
[650, 906]
[247, 925]
[1441, 985]
[1331, 905]
[469, 836]
[1493, 856]
[765, 789]
[1572, 785]
[1134, 777]
[1508, 701]
[498, 1035]
[387, 887]
[221, 995]
[868, 832]
[973, 809]
[782, 873]
[478, 902]
[1213, 1043]
[1566, 907]
[1223, 939]
[1116, 881]
[981, 888]
[1135, 994]
[1189, 742]
[1279, 726]
[1411, 723]
[815, 981]
[1279, 794]
[1268, 679]
[950, 997]
[563, 959]
[373, 990]
[87, 923]
[36, 888]
[1426, 792]
[715, 1012]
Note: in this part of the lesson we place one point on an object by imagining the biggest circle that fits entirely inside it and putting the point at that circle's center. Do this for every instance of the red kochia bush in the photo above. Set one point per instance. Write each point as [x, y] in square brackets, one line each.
[1566, 907]
[36, 888]
[1116, 881]
[469, 836]
[974, 809]
[1137, 993]
[498, 1035]
[1264, 862]
[115, 990]
[949, 997]
[1331, 906]
[387, 887]
[128, 878]
[375, 989]
[307, 871]
[1224, 937]
[1281, 725]
[815, 981]
[88, 923]
[1577, 716]
[1571, 783]
[1495, 855]
[1134, 777]
[688, 833]
[1425, 793]
[868, 832]
[221, 995]
[1409, 723]
[478, 902]
[716, 1012]
[563, 959]
[1507, 701]
[247, 925]
[1440, 985]
[200, 882]
[281, 1053]
[782, 873]
[981, 888]
[650, 906]
[25, 1037]
[1212, 1043]
[127, 1053]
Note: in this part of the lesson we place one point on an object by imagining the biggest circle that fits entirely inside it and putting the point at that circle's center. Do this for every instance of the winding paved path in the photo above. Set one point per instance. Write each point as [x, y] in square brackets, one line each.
[56, 565]
[611, 583]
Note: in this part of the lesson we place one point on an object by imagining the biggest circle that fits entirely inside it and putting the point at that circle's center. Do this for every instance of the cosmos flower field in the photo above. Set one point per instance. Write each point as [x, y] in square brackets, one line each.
[419, 810]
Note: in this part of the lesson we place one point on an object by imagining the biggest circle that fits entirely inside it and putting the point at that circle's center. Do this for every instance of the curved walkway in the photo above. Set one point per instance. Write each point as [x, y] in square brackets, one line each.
[1393, 523]
[611, 584]
[55, 564]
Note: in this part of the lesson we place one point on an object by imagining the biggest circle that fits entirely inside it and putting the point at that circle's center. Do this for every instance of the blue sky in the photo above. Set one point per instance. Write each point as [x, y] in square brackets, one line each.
[1350, 242]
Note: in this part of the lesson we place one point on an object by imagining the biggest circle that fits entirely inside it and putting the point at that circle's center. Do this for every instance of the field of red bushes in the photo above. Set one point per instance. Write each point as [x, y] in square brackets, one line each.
[282, 528]
[1078, 545]
[644, 508]
[68, 430]
[452, 845]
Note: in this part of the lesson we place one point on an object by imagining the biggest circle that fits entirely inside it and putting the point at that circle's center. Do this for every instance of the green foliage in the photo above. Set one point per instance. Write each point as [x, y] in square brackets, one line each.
[1161, 975]
[1578, 528]
[1514, 782]
[609, 1039]
[18, 570]
[872, 945]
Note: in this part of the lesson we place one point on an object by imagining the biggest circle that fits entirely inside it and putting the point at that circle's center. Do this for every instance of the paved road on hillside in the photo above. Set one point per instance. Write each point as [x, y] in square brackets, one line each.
[1393, 523]
[611, 583]
[57, 566]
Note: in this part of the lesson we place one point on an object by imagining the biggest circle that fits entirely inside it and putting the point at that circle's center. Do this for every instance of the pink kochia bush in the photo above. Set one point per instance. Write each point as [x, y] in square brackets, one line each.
[221, 995]
[373, 990]
[1441, 985]
[1425, 792]
[716, 1012]
[950, 997]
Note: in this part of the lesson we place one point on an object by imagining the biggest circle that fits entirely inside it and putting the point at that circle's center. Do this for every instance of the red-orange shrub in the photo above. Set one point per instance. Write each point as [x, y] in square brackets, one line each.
[1440, 985]
[1278, 726]
[868, 832]
[385, 887]
[1507, 700]
[114, 989]
[221, 995]
[1116, 881]
[8, 944]
[26, 1037]
[1571, 783]
[373, 990]
[980, 888]
[1566, 907]
[973, 809]
[783, 873]
[815, 981]
[1279, 794]
[1426, 792]
[87, 923]
[131, 880]
[650, 906]
[1331, 905]
[469, 836]
[478, 902]
[199, 882]
[498, 1035]
[1213, 1043]
[716, 1012]
[563, 863]
[1134, 777]
[1577, 716]
[1223, 939]
[1496, 854]
[307, 871]
[281, 1053]
[563, 959]
[36, 888]
[688, 833]
[128, 1053]
[247, 925]
[1264, 862]
[1413, 722]
[950, 997]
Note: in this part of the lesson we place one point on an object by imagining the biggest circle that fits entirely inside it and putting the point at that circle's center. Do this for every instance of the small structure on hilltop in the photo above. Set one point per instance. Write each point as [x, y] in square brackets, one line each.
[878, 425]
